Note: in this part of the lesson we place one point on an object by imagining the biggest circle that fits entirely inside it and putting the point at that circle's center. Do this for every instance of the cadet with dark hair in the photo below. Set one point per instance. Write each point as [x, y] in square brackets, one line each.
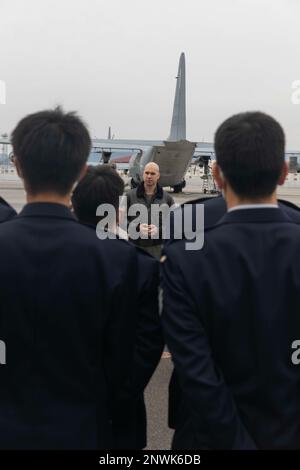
[69, 338]
[50, 149]
[100, 185]
[236, 142]
[103, 185]
[230, 310]
[250, 152]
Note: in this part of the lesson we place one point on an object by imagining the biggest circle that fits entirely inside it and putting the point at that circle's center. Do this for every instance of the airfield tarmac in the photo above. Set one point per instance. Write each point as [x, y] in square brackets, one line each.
[159, 435]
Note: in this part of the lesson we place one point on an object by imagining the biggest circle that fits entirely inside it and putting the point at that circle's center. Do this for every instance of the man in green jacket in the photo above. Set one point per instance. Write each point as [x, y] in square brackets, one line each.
[149, 230]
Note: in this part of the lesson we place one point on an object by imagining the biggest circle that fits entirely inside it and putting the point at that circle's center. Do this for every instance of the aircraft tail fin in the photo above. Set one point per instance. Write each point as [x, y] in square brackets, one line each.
[178, 126]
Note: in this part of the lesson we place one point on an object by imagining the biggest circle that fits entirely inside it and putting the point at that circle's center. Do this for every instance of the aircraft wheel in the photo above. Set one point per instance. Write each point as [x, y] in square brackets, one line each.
[179, 187]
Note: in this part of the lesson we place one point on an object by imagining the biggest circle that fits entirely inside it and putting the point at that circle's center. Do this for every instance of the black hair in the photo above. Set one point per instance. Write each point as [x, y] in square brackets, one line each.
[51, 148]
[250, 152]
[100, 185]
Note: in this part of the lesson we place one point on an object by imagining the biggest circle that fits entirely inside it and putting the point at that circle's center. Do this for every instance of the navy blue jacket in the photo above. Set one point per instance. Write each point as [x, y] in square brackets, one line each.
[67, 317]
[214, 210]
[130, 423]
[230, 318]
[129, 420]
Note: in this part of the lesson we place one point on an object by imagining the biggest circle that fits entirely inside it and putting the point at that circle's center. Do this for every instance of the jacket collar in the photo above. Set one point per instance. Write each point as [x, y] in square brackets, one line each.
[4, 202]
[140, 192]
[263, 215]
[47, 209]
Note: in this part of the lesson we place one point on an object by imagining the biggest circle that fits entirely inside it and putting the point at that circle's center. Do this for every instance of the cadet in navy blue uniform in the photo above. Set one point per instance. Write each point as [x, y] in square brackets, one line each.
[103, 185]
[214, 210]
[68, 303]
[230, 310]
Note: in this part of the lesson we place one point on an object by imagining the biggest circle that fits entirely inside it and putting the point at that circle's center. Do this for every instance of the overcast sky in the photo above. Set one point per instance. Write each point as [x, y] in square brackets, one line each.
[115, 61]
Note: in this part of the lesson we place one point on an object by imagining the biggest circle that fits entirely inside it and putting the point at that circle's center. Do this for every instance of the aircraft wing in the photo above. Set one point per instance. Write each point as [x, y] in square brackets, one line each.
[124, 143]
[118, 151]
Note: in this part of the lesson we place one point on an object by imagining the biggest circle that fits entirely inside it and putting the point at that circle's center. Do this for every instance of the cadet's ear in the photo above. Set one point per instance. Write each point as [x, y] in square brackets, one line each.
[83, 172]
[284, 173]
[218, 175]
[17, 165]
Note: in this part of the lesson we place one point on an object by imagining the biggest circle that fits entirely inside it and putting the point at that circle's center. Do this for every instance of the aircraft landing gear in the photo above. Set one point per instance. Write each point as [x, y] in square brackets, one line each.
[179, 187]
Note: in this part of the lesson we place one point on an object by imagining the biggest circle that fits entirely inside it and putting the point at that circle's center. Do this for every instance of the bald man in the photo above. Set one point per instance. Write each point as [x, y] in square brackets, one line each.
[149, 193]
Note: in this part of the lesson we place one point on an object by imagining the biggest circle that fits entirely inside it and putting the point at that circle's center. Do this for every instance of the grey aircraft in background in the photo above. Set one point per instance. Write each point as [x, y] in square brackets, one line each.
[173, 155]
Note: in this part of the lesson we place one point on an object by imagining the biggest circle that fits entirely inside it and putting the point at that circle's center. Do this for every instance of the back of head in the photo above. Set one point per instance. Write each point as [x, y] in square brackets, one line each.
[250, 152]
[100, 185]
[51, 148]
